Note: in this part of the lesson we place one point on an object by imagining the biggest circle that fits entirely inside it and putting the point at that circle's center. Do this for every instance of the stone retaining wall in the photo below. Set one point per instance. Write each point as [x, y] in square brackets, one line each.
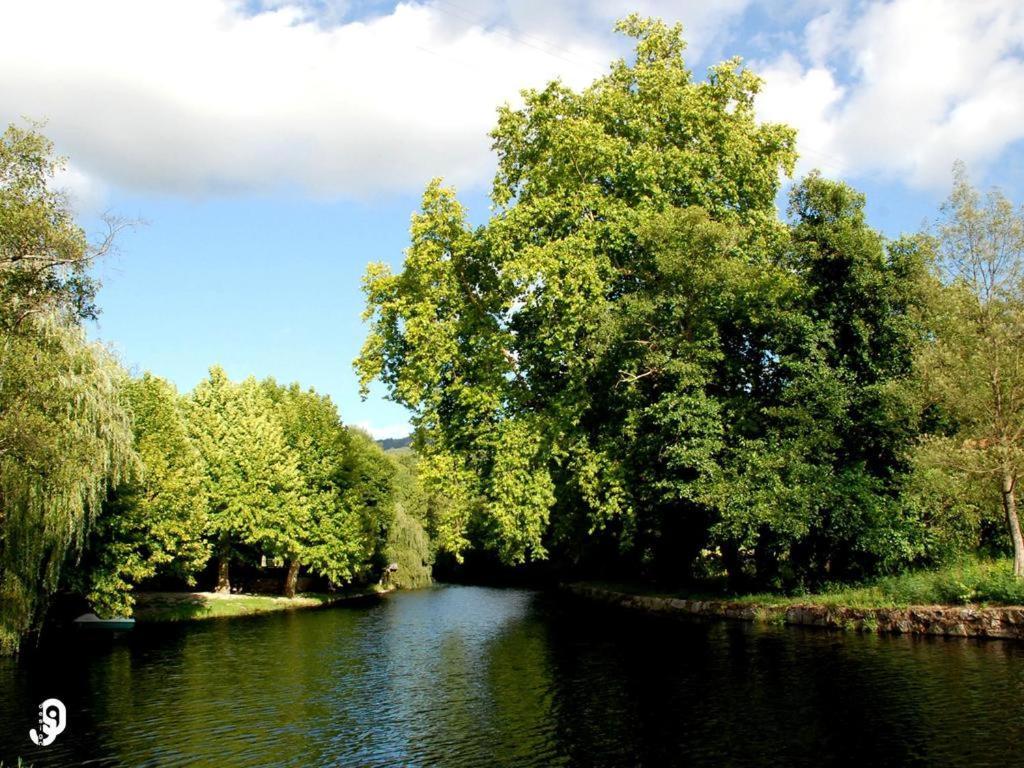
[954, 621]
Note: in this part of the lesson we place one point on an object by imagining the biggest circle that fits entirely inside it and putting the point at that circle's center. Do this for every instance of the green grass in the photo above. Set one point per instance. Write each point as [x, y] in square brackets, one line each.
[968, 582]
[190, 606]
[984, 582]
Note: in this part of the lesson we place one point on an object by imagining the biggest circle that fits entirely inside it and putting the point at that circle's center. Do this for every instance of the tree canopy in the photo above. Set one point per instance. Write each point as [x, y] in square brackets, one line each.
[974, 369]
[157, 520]
[636, 359]
[65, 433]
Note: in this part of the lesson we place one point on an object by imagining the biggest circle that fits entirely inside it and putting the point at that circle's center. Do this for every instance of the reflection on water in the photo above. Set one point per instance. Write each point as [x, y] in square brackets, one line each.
[467, 676]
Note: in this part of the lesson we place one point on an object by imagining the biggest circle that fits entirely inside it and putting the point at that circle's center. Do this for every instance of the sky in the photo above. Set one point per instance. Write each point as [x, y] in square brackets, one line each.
[271, 149]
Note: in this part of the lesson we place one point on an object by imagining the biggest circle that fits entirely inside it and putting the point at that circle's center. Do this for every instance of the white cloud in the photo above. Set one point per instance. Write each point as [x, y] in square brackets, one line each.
[547, 23]
[196, 97]
[805, 99]
[85, 193]
[928, 82]
[199, 97]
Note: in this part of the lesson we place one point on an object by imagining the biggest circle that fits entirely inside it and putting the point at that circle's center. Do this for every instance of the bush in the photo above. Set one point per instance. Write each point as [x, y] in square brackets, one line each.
[970, 581]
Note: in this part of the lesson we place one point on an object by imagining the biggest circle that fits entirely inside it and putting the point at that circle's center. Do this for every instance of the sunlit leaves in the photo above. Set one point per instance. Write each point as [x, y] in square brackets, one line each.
[510, 343]
[156, 521]
[65, 438]
[65, 434]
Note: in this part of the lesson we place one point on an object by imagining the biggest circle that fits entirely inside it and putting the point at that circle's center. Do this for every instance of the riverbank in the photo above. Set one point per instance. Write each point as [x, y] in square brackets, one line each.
[153, 607]
[971, 599]
[1005, 622]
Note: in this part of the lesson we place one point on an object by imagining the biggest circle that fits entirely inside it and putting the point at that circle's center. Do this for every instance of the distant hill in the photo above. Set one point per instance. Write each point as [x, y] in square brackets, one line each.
[390, 443]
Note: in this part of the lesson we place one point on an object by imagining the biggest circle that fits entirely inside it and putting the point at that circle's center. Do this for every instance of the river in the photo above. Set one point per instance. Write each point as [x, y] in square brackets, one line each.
[472, 676]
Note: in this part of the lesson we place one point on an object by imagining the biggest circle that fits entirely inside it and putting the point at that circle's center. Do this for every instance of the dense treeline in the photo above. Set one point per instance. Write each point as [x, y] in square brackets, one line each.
[252, 471]
[637, 366]
[108, 480]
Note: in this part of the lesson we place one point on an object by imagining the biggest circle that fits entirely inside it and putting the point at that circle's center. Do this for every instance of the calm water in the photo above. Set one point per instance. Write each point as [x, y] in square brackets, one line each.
[467, 676]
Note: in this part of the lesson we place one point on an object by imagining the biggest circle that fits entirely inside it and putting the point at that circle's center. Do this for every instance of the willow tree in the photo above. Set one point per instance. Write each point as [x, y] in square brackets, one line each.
[409, 543]
[65, 436]
[503, 341]
[975, 368]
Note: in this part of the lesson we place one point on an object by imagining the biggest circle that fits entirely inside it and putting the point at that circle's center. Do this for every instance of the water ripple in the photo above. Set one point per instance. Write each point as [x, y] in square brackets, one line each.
[463, 676]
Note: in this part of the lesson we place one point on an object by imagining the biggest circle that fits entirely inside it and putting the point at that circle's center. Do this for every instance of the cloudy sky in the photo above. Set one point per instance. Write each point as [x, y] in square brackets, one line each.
[275, 147]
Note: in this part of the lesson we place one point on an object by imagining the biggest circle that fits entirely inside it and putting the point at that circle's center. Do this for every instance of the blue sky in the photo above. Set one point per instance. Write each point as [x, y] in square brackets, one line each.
[274, 148]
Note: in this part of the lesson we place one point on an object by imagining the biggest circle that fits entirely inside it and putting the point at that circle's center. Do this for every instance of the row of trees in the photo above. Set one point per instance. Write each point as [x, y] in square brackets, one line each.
[637, 364]
[108, 480]
[241, 471]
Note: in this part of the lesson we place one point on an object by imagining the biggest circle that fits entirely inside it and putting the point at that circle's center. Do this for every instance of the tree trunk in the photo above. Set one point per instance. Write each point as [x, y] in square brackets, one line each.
[733, 566]
[291, 579]
[223, 582]
[1010, 506]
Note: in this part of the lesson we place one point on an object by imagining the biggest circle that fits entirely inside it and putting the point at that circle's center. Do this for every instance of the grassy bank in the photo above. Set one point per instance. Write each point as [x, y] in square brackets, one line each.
[971, 599]
[154, 607]
[972, 582]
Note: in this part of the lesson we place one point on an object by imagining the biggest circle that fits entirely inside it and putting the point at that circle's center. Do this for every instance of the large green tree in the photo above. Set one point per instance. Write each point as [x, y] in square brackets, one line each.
[408, 543]
[65, 435]
[367, 481]
[157, 521]
[253, 482]
[495, 338]
[44, 255]
[974, 370]
[208, 416]
[636, 357]
[329, 528]
[821, 418]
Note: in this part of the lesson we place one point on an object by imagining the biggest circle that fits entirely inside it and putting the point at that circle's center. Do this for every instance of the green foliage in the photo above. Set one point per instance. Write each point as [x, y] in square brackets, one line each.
[973, 372]
[506, 341]
[634, 349]
[250, 468]
[288, 479]
[65, 433]
[408, 547]
[44, 255]
[366, 479]
[65, 437]
[970, 581]
[157, 521]
[816, 454]
[253, 480]
[335, 539]
[208, 416]
[408, 543]
[269, 498]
